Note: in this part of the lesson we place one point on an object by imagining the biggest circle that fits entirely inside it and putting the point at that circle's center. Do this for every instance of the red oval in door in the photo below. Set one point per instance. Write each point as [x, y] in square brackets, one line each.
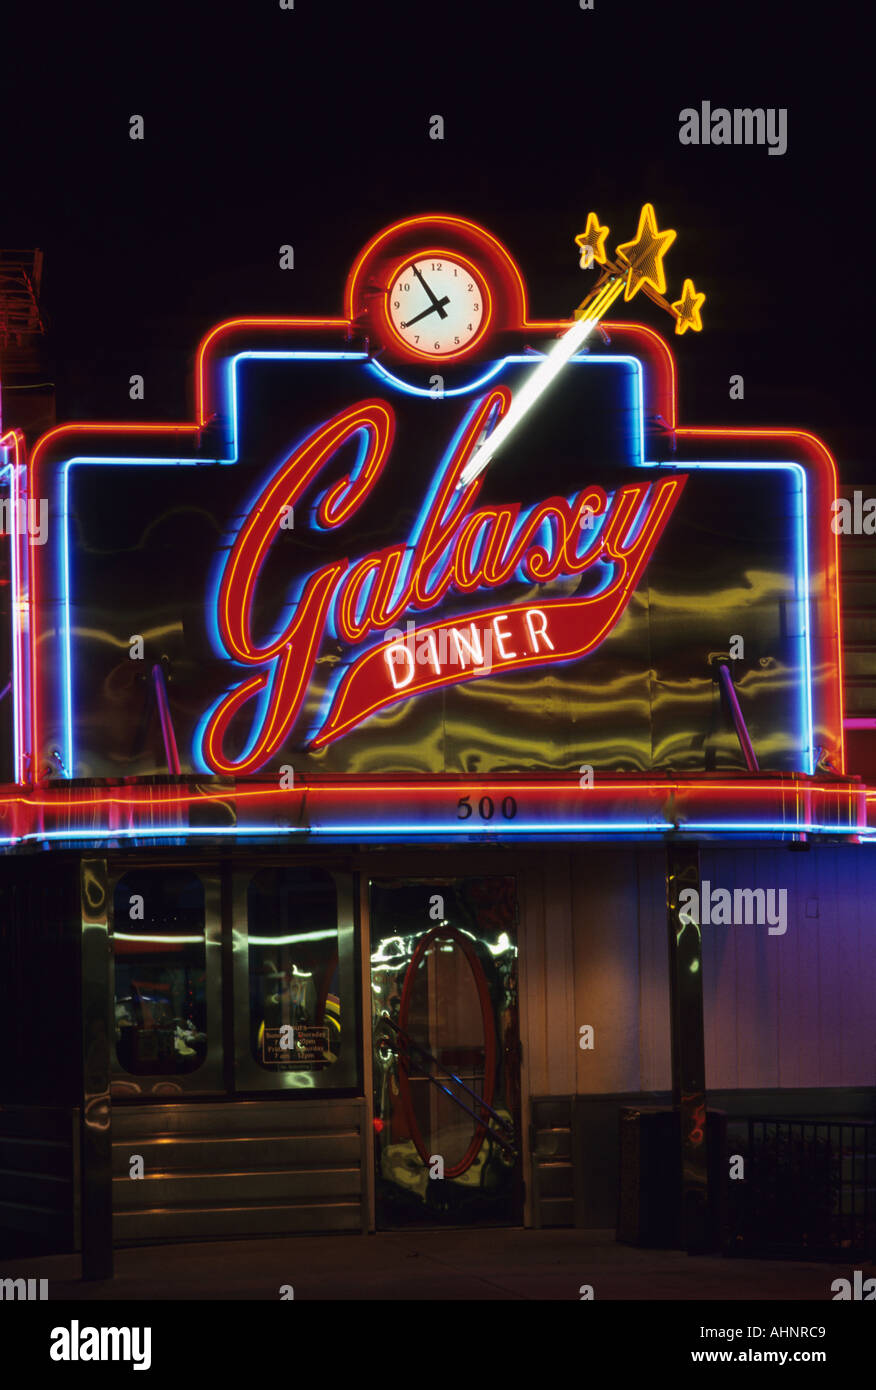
[483, 991]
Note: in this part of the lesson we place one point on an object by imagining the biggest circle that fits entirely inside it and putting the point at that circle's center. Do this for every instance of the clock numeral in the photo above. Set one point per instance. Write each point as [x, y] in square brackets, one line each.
[470, 329]
[455, 273]
[396, 304]
[456, 340]
[436, 265]
[416, 337]
[476, 307]
[437, 345]
[406, 288]
[470, 285]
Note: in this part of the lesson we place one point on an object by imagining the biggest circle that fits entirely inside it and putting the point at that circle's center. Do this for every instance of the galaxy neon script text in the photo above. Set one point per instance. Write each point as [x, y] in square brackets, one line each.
[452, 550]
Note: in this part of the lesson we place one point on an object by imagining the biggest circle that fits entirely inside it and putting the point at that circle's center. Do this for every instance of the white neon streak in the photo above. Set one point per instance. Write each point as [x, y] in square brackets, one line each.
[541, 378]
[162, 940]
[291, 940]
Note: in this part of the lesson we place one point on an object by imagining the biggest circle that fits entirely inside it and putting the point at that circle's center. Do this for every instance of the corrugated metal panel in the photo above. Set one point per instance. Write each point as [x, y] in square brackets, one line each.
[37, 1178]
[238, 1168]
[553, 1177]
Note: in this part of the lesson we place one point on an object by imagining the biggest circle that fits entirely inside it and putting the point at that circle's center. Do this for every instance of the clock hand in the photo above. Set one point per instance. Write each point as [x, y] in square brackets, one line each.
[429, 292]
[432, 307]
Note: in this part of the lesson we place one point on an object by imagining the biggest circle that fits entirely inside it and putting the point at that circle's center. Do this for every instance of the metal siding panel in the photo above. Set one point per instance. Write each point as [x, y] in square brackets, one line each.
[235, 1221]
[721, 993]
[715, 1023]
[606, 947]
[528, 969]
[203, 1190]
[560, 1025]
[830, 1000]
[755, 1001]
[773, 869]
[755, 983]
[39, 1190]
[655, 1043]
[238, 1117]
[855, 896]
[866, 913]
[790, 949]
[792, 1011]
[250, 1154]
[317, 1183]
[801, 1002]
[366, 1136]
[533, 983]
[95, 1131]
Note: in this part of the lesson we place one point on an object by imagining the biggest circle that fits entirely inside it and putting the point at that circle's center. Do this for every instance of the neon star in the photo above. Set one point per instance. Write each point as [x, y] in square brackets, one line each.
[593, 236]
[688, 308]
[645, 255]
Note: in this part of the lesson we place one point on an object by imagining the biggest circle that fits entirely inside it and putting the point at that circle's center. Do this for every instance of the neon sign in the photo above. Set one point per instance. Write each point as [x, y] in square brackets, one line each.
[453, 550]
[532, 637]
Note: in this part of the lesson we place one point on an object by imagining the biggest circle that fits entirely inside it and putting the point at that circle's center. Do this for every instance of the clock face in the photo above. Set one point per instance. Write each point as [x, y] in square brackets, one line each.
[438, 305]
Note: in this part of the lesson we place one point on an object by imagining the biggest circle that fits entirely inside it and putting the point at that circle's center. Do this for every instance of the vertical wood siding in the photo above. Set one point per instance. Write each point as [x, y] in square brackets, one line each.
[593, 950]
[797, 1010]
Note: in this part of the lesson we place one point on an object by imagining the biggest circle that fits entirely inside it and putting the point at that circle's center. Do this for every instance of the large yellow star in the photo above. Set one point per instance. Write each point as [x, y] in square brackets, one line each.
[688, 308]
[593, 236]
[645, 254]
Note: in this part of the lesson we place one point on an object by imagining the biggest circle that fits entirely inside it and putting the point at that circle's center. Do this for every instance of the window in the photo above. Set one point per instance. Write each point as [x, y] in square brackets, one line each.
[296, 1019]
[160, 972]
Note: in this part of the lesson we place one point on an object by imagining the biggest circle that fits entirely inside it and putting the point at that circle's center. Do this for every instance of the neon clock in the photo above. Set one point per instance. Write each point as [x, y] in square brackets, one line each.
[437, 304]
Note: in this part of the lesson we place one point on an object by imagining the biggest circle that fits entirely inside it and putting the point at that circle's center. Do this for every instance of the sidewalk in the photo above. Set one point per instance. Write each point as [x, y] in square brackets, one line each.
[406, 1266]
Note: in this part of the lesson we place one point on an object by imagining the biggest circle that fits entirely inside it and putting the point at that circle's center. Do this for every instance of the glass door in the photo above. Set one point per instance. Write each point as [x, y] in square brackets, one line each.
[446, 1051]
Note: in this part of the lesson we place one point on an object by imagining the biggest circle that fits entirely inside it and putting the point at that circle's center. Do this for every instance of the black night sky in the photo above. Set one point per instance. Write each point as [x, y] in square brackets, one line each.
[310, 126]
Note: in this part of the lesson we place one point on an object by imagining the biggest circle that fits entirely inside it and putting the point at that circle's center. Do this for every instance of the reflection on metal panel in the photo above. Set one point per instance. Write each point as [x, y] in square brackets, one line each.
[446, 1052]
[296, 1013]
[238, 1168]
[167, 980]
[95, 1150]
[644, 699]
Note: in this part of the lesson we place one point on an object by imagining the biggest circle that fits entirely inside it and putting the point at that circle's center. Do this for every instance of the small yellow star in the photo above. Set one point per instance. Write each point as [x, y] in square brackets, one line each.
[593, 236]
[645, 254]
[689, 308]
